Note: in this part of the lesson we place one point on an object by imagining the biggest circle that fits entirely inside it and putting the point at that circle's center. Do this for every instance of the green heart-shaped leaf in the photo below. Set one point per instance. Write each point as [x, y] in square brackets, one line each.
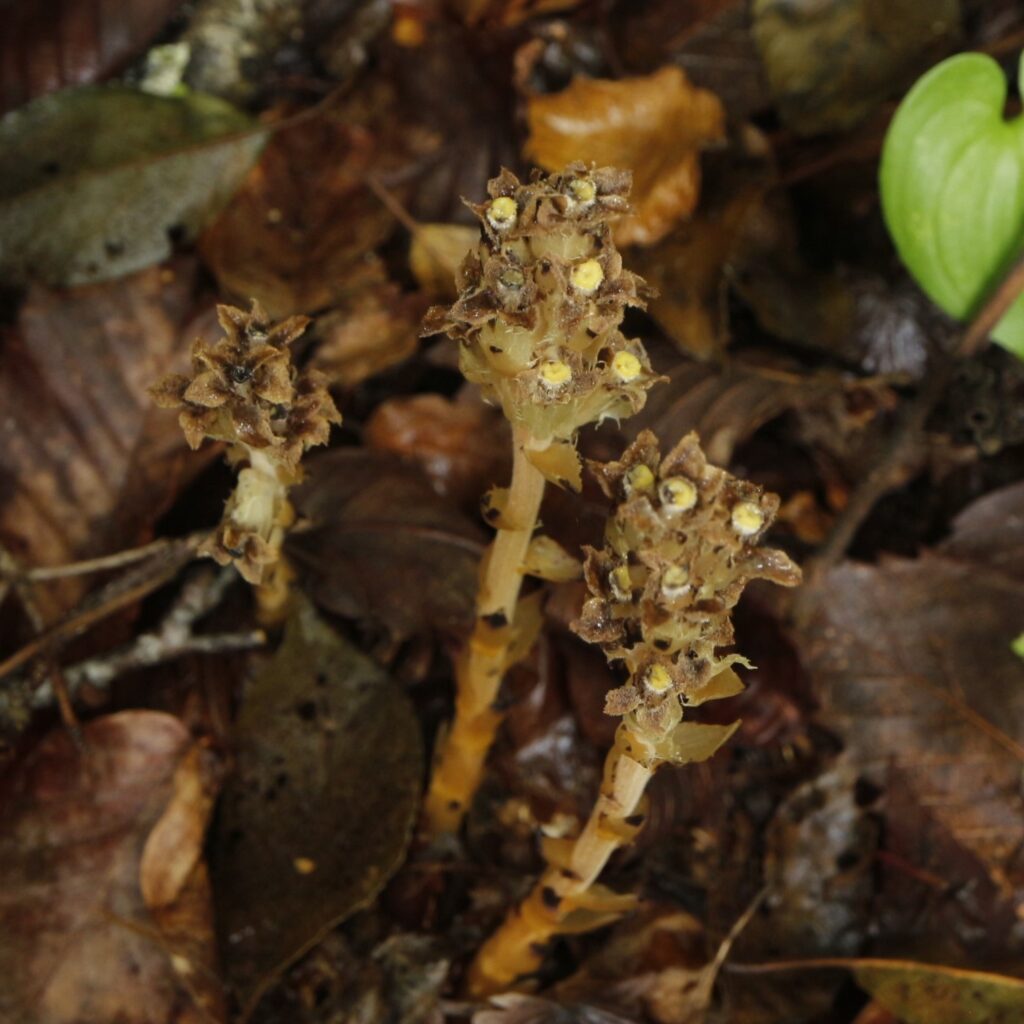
[952, 181]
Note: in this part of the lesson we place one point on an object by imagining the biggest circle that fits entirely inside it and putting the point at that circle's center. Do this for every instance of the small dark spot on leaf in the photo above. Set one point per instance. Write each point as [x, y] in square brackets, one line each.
[306, 711]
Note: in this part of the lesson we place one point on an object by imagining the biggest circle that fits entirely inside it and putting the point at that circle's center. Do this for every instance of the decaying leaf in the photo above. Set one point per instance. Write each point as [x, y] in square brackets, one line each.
[819, 862]
[655, 125]
[300, 234]
[318, 814]
[77, 942]
[829, 63]
[917, 676]
[87, 464]
[932, 994]
[384, 546]
[98, 182]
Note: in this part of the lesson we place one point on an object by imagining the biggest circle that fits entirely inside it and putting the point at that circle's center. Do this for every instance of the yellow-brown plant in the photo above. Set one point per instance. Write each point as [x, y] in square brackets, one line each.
[245, 390]
[680, 547]
[537, 321]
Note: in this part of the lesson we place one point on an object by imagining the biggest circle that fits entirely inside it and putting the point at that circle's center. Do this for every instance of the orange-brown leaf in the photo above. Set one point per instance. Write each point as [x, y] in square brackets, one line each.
[654, 125]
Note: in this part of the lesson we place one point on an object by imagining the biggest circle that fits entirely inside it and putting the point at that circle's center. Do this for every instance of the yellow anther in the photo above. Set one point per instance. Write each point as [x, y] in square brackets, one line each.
[555, 373]
[502, 212]
[626, 366]
[678, 494]
[675, 581]
[512, 278]
[658, 679]
[621, 584]
[587, 276]
[639, 478]
[583, 190]
[747, 518]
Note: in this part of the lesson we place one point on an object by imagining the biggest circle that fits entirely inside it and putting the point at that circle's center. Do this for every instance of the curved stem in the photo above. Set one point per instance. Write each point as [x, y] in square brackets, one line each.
[482, 664]
[516, 948]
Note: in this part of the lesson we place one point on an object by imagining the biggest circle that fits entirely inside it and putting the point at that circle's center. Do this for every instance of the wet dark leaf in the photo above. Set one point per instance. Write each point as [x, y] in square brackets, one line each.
[71, 910]
[917, 676]
[384, 546]
[318, 814]
[829, 64]
[98, 182]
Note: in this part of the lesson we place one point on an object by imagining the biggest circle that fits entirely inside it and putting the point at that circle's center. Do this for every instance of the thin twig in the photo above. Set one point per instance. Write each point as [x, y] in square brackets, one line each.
[171, 640]
[118, 594]
[115, 561]
[888, 471]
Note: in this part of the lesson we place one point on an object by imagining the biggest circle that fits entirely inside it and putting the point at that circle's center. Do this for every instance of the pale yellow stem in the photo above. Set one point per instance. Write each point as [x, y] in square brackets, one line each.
[515, 949]
[479, 670]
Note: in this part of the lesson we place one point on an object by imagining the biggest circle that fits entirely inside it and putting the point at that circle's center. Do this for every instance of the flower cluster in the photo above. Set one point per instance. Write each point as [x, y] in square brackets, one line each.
[245, 390]
[680, 547]
[541, 300]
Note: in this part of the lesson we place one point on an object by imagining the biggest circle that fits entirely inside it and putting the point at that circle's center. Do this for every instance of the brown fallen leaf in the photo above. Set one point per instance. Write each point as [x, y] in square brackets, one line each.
[655, 125]
[376, 329]
[916, 674]
[709, 39]
[383, 546]
[87, 463]
[300, 234]
[727, 405]
[463, 447]
[74, 42]
[318, 814]
[507, 13]
[77, 943]
[174, 878]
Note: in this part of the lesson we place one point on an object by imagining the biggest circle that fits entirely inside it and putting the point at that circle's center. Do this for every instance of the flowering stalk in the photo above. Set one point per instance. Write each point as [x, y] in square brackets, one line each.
[542, 297]
[679, 549]
[245, 390]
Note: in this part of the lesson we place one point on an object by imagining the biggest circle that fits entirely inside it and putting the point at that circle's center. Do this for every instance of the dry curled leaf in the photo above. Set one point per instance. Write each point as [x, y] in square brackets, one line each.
[318, 814]
[656, 125]
[72, 912]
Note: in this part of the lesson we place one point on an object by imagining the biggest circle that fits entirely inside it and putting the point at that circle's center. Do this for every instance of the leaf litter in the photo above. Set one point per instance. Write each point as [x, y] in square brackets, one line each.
[852, 854]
